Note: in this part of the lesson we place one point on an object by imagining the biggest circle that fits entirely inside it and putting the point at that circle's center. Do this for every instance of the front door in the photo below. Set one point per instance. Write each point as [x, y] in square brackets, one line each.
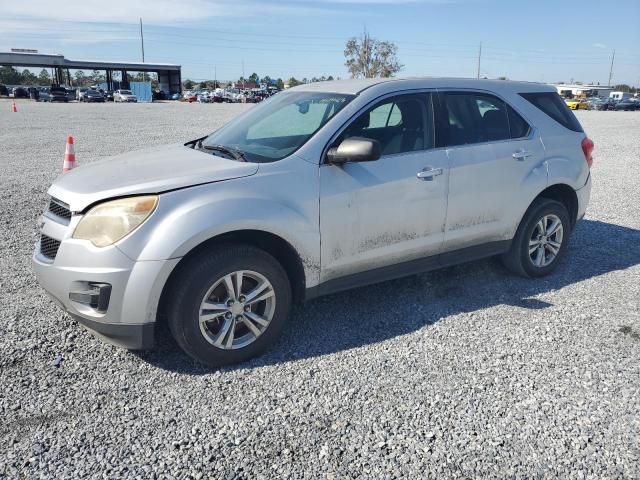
[375, 214]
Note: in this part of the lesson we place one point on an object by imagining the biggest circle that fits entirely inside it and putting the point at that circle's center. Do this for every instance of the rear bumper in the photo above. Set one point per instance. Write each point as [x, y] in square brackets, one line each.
[583, 194]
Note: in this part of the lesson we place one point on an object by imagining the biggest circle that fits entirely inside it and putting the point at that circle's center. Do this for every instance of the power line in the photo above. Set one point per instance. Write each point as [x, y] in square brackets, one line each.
[479, 56]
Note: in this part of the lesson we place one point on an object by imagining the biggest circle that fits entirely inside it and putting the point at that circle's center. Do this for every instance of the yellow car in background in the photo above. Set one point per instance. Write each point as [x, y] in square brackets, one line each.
[577, 103]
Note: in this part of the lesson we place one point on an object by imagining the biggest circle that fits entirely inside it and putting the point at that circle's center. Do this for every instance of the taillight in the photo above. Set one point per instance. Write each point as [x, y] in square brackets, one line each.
[587, 149]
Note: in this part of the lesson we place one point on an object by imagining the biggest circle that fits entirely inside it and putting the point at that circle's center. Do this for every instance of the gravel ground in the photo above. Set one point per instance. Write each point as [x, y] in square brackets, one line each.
[467, 372]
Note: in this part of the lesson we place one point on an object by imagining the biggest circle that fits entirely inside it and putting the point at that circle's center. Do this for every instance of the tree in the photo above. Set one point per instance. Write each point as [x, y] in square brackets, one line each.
[280, 84]
[79, 77]
[623, 87]
[368, 57]
[44, 78]
[9, 76]
[188, 84]
[28, 78]
[97, 77]
[254, 78]
[293, 82]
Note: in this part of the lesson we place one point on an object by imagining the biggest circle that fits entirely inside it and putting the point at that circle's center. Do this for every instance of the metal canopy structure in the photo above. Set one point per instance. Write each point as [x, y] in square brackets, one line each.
[169, 75]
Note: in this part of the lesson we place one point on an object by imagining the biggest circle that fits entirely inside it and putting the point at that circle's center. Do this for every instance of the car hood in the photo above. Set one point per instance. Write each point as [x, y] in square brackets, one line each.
[153, 170]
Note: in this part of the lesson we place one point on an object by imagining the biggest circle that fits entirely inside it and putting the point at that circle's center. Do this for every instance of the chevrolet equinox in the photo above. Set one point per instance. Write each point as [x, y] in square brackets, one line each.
[324, 187]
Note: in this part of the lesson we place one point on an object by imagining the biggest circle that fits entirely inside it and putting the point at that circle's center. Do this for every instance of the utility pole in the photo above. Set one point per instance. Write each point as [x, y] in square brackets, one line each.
[243, 76]
[141, 40]
[479, 56]
[215, 77]
[613, 55]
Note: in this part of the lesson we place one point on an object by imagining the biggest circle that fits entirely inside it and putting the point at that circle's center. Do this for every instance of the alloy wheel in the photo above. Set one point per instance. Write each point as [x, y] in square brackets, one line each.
[237, 309]
[546, 241]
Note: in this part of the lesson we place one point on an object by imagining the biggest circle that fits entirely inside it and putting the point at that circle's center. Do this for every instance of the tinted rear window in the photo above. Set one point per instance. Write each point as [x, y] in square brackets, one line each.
[476, 118]
[552, 104]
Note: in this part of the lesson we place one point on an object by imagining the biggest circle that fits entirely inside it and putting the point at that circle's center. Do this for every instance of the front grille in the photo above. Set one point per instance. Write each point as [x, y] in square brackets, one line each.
[49, 247]
[59, 209]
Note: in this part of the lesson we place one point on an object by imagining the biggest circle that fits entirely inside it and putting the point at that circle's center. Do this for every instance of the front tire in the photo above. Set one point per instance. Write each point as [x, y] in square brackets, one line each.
[541, 240]
[229, 304]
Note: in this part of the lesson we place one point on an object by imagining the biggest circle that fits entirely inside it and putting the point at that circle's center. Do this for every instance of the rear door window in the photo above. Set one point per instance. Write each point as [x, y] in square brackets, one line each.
[475, 118]
[518, 126]
[552, 104]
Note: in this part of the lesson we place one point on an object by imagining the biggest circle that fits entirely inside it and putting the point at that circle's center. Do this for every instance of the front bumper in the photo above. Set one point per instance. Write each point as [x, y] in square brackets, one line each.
[135, 286]
[131, 337]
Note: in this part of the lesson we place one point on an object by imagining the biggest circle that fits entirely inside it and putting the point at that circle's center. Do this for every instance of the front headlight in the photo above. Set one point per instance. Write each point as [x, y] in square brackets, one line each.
[108, 222]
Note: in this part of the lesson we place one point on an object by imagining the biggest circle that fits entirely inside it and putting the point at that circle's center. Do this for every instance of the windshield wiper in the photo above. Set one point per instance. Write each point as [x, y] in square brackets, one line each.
[232, 152]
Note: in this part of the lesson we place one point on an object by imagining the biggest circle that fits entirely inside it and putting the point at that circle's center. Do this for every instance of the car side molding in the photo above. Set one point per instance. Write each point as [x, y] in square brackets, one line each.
[404, 269]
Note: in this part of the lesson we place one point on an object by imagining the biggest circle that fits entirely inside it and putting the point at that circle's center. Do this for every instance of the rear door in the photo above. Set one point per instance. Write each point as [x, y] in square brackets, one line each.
[493, 152]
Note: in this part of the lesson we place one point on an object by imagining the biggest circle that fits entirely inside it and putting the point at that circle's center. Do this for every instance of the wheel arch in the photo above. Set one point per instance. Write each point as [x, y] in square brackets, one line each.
[271, 243]
[564, 194]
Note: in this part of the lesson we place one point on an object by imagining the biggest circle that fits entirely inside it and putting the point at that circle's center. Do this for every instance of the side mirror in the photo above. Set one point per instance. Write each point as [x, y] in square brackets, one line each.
[355, 149]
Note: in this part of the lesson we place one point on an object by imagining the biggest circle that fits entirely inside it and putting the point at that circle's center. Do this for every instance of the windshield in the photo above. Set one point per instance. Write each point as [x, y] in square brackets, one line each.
[125, 92]
[279, 126]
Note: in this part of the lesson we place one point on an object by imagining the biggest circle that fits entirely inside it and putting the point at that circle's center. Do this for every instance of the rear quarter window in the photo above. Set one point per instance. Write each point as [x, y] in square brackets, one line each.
[553, 106]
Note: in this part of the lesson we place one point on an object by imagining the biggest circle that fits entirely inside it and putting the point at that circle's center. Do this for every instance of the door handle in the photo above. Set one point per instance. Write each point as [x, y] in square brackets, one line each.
[428, 173]
[521, 154]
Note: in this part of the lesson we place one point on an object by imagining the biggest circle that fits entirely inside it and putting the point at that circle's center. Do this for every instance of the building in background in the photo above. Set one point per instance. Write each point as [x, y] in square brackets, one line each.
[581, 90]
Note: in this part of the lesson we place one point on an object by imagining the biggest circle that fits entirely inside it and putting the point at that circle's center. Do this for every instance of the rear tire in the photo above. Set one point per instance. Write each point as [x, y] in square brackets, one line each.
[541, 240]
[215, 321]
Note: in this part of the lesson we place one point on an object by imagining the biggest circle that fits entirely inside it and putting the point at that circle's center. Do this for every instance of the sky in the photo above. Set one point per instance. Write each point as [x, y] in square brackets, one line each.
[541, 41]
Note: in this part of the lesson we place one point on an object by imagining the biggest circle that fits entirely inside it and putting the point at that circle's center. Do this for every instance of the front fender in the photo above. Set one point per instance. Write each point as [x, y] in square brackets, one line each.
[186, 218]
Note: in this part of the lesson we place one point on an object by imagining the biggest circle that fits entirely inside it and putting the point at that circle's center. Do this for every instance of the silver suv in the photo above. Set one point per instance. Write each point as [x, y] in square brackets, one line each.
[324, 187]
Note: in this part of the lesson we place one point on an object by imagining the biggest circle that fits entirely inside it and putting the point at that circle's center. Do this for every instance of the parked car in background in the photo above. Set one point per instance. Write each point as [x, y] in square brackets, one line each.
[159, 95]
[58, 94]
[175, 96]
[605, 104]
[93, 96]
[577, 104]
[218, 96]
[124, 96]
[203, 96]
[626, 105]
[20, 92]
[108, 95]
[34, 94]
[4, 91]
[176, 233]
[80, 93]
[43, 94]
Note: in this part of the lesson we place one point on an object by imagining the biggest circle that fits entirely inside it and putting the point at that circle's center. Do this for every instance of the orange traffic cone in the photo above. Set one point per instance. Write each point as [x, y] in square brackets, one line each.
[14, 107]
[69, 156]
